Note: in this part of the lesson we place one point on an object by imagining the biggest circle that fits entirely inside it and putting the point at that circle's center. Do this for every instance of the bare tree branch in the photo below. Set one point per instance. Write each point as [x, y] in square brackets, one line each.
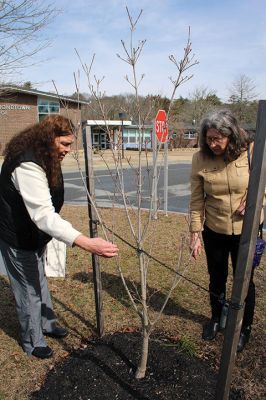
[138, 226]
[21, 25]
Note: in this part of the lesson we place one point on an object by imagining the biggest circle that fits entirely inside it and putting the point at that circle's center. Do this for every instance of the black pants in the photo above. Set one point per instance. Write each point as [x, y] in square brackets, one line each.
[218, 247]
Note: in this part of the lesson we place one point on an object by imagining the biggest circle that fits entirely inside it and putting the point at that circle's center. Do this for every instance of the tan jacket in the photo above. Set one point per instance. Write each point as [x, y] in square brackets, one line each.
[217, 188]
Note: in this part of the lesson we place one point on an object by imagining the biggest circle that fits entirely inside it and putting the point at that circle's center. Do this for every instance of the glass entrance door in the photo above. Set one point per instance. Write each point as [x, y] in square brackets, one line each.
[99, 139]
[103, 141]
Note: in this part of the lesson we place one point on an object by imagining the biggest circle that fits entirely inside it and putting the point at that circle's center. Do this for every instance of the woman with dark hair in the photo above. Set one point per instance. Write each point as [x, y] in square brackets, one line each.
[31, 196]
[219, 182]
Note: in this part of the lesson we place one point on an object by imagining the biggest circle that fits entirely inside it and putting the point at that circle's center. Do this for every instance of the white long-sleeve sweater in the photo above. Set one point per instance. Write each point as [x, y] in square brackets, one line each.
[31, 182]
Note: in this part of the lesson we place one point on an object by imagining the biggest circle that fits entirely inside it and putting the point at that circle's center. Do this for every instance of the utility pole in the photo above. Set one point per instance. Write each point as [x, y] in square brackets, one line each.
[247, 244]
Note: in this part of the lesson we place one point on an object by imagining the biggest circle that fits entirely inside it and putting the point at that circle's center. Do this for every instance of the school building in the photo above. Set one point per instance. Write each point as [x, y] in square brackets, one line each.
[126, 135]
[21, 108]
[122, 134]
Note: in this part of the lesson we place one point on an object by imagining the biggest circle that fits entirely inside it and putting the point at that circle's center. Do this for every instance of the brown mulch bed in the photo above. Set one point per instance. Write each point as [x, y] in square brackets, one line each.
[105, 369]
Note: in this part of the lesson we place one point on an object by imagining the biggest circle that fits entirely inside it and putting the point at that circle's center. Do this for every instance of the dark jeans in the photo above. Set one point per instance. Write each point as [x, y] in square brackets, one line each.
[218, 247]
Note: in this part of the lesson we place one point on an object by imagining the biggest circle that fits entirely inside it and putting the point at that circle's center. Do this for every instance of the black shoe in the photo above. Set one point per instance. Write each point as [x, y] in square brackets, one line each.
[210, 330]
[42, 352]
[58, 332]
[243, 339]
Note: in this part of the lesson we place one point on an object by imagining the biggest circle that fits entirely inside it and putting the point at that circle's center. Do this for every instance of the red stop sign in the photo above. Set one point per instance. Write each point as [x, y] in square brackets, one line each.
[161, 127]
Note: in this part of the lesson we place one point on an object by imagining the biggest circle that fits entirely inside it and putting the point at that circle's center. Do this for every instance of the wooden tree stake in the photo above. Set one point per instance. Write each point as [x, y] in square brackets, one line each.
[247, 244]
[93, 230]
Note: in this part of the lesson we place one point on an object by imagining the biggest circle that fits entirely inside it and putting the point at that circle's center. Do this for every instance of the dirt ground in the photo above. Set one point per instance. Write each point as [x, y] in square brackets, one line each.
[104, 370]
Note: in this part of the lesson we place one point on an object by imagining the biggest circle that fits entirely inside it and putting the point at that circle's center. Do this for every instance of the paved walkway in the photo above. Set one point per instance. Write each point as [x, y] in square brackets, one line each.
[101, 160]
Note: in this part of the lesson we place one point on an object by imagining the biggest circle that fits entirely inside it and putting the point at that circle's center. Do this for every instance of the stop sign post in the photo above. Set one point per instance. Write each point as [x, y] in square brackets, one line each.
[161, 128]
[161, 132]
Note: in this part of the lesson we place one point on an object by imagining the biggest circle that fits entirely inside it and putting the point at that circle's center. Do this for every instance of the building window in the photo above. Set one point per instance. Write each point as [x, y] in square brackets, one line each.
[190, 135]
[47, 107]
[96, 138]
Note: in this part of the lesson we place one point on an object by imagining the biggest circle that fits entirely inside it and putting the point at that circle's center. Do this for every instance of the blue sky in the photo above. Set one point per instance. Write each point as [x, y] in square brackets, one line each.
[228, 39]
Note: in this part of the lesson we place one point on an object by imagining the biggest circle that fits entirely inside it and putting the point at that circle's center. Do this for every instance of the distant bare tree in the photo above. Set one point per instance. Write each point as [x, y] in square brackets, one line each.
[126, 103]
[203, 100]
[243, 89]
[190, 111]
[242, 93]
[27, 85]
[21, 23]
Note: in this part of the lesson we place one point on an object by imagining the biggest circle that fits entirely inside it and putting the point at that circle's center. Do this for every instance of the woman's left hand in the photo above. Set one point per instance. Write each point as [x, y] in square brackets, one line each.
[195, 244]
[241, 209]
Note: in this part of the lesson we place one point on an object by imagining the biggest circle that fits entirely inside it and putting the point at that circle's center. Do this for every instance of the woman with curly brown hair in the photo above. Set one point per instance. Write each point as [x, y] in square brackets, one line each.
[31, 196]
[219, 182]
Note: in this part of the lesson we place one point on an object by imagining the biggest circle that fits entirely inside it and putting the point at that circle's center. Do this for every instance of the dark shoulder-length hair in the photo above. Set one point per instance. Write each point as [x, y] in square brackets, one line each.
[225, 123]
[40, 139]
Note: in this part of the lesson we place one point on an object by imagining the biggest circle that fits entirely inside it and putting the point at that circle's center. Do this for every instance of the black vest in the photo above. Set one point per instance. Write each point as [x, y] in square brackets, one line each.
[16, 227]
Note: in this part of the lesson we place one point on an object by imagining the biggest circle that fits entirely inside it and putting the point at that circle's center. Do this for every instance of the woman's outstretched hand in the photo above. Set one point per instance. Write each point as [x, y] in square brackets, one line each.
[97, 246]
[195, 244]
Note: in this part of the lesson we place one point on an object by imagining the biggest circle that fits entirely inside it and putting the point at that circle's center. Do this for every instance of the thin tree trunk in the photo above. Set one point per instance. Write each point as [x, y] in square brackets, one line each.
[146, 328]
[141, 371]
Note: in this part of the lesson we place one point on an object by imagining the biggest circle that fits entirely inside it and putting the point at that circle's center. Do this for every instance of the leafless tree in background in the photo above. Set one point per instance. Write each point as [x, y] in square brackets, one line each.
[242, 93]
[243, 89]
[21, 25]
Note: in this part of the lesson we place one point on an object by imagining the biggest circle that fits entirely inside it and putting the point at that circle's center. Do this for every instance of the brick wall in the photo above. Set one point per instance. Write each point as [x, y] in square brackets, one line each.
[72, 111]
[18, 111]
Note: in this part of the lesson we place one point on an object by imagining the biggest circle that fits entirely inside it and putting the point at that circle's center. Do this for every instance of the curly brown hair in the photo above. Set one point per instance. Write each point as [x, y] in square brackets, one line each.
[40, 139]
